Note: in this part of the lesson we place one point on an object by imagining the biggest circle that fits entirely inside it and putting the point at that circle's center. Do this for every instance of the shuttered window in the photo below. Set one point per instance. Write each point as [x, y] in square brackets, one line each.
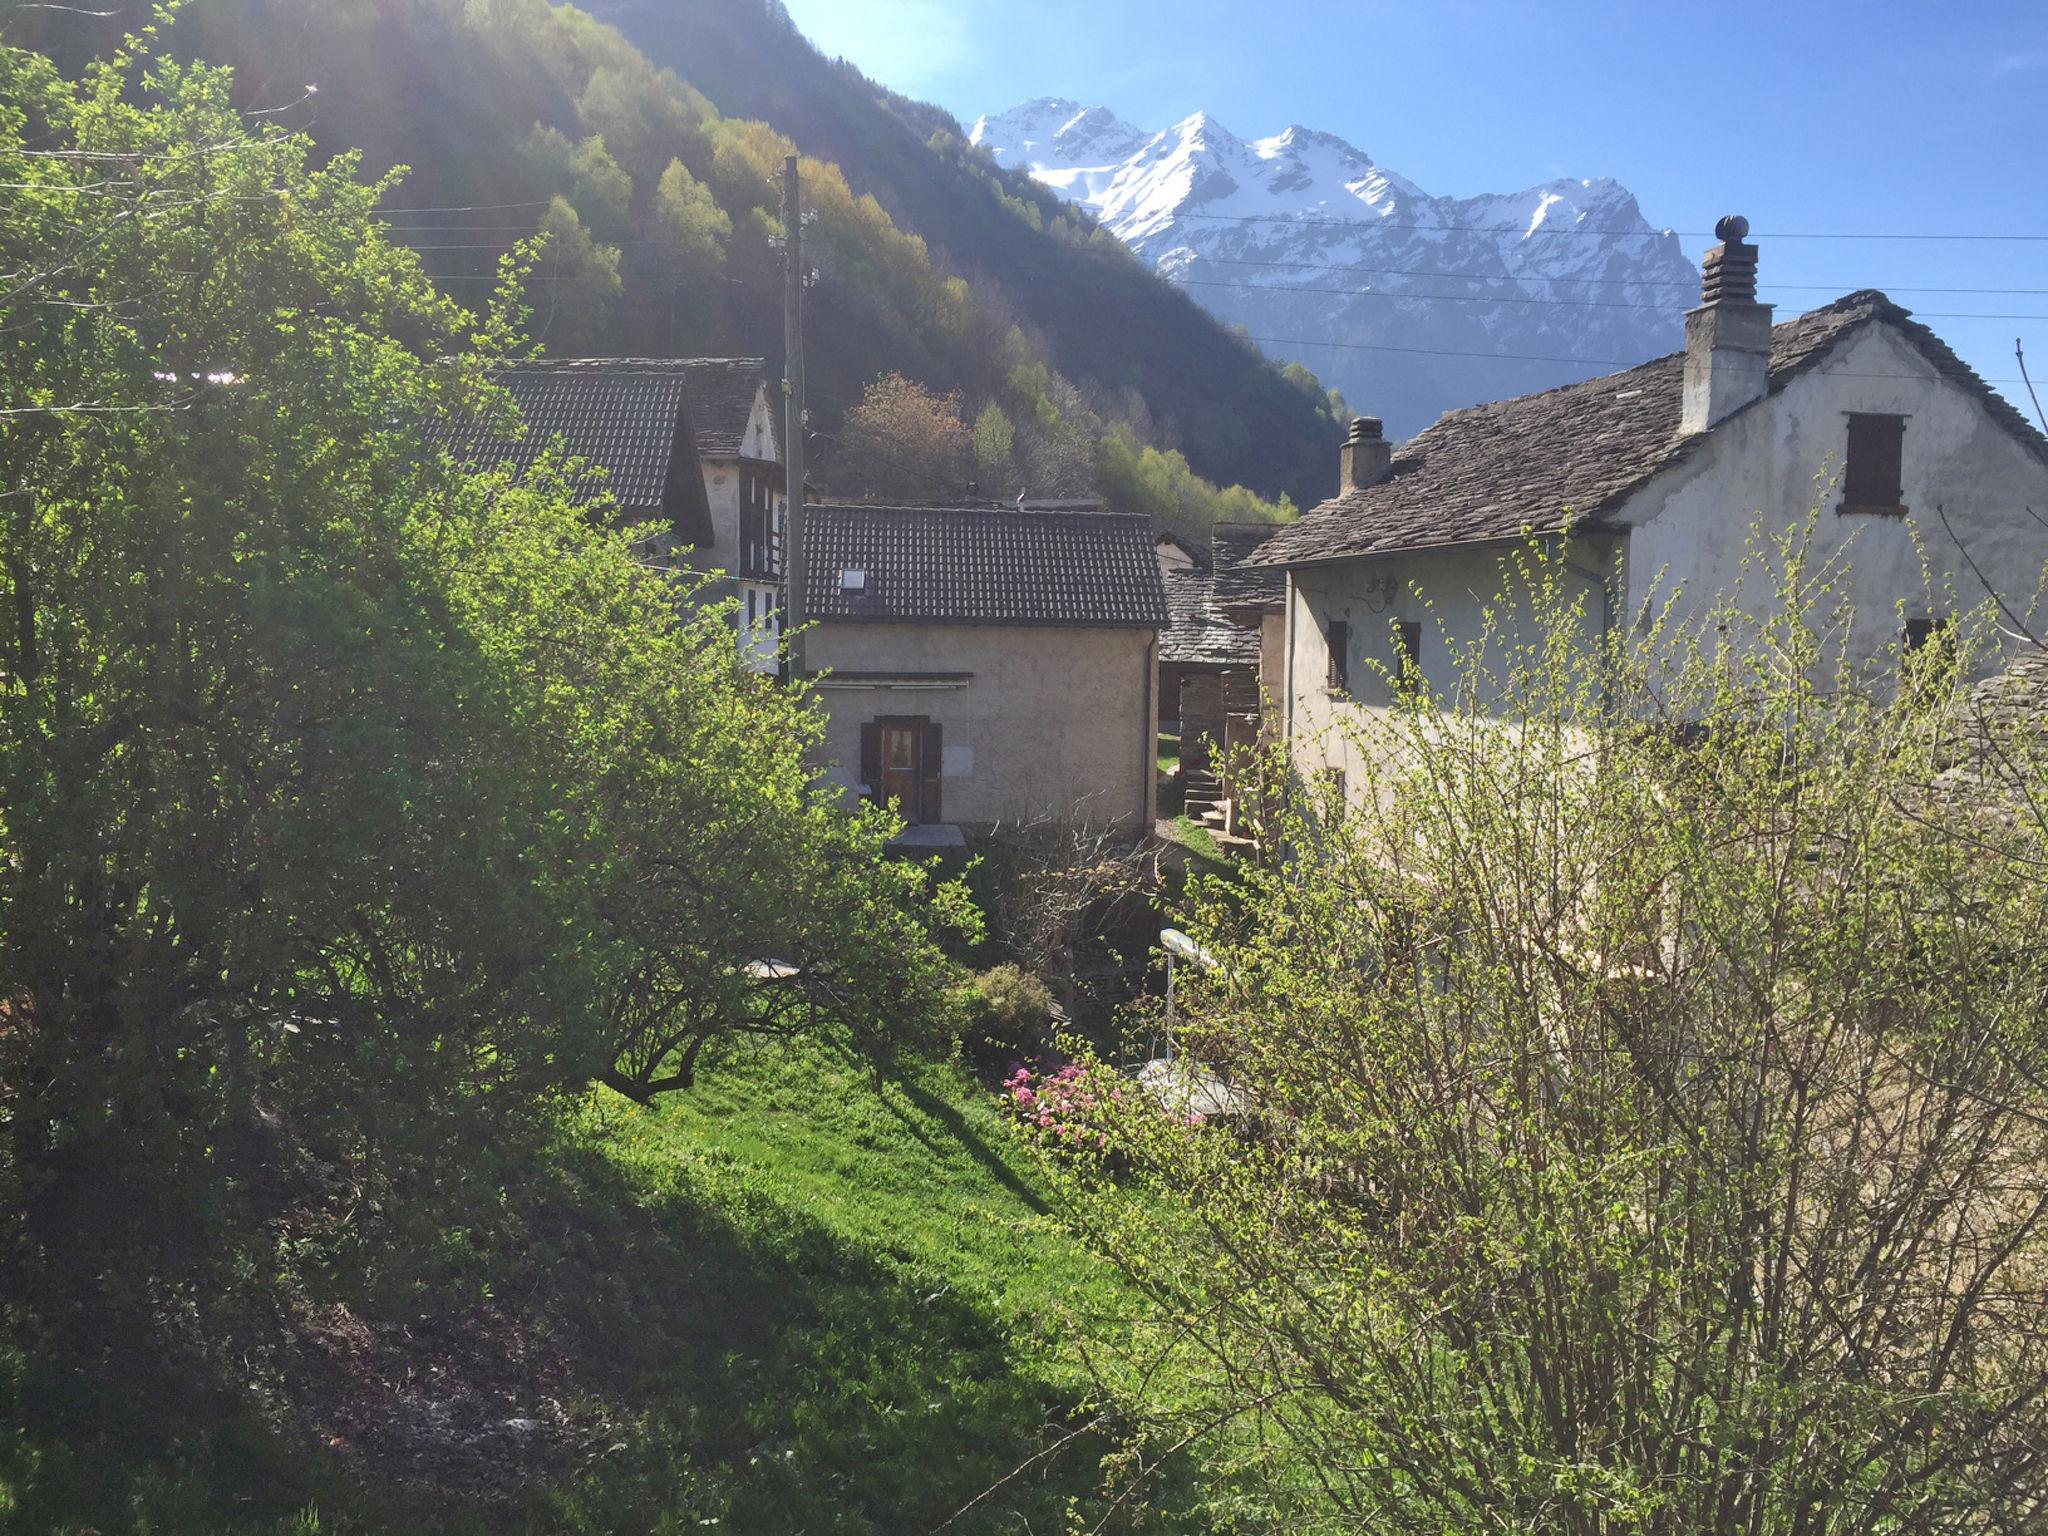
[1338, 637]
[1407, 655]
[1871, 480]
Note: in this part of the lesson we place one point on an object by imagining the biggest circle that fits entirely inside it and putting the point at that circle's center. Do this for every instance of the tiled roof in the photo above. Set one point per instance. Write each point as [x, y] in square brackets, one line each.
[981, 565]
[643, 421]
[1240, 587]
[1198, 634]
[1570, 455]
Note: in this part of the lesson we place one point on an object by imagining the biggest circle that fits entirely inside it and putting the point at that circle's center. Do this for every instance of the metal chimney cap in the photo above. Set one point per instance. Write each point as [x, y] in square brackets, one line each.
[1731, 228]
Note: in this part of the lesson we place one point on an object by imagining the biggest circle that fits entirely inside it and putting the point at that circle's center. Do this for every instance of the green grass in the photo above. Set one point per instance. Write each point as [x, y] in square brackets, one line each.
[1193, 836]
[802, 1299]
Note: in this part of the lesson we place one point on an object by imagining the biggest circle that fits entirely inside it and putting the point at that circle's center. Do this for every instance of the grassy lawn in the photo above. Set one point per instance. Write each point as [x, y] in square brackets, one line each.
[796, 1299]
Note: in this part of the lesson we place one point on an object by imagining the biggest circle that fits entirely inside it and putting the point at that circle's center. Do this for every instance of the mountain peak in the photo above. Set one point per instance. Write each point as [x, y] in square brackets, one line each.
[1434, 302]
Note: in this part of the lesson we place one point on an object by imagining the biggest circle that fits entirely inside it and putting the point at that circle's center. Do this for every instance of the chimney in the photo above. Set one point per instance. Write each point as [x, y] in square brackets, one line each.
[1728, 338]
[1366, 458]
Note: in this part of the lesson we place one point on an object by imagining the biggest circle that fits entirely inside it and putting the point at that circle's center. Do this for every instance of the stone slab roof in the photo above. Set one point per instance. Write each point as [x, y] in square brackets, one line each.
[1997, 752]
[981, 565]
[1198, 633]
[1571, 455]
[1241, 587]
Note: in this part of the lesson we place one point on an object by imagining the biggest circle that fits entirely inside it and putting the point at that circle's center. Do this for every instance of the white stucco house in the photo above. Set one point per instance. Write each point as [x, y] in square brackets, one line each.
[690, 445]
[1647, 482]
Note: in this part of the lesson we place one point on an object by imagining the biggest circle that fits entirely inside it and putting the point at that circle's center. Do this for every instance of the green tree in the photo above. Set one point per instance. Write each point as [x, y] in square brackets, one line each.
[576, 284]
[688, 227]
[341, 788]
[1645, 1096]
[995, 450]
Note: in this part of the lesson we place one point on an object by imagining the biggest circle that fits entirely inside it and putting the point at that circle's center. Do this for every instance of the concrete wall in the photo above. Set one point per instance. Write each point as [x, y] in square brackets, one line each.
[1053, 721]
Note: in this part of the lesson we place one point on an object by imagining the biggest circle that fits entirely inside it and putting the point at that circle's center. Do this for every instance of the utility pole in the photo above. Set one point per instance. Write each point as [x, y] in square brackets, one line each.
[793, 405]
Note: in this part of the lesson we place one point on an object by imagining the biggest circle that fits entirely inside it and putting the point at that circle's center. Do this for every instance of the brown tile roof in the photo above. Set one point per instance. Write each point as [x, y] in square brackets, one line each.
[1242, 588]
[1571, 455]
[1198, 633]
[981, 565]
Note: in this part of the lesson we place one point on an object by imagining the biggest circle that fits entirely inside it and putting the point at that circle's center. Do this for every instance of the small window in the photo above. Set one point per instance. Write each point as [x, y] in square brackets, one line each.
[752, 615]
[1338, 636]
[1407, 655]
[1871, 478]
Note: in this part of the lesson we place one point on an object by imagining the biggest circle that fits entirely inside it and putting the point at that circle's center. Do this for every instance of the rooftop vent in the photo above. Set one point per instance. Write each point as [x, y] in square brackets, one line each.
[853, 581]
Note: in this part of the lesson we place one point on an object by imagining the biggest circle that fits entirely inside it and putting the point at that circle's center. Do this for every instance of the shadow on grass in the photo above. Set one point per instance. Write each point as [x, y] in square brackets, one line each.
[968, 1139]
[729, 1359]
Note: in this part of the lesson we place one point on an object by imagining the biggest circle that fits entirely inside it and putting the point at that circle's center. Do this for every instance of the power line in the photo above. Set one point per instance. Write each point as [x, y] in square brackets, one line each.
[462, 208]
[1575, 229]
[1687, 284]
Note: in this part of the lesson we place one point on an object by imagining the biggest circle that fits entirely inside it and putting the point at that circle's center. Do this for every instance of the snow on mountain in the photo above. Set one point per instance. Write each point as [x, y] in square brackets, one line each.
[1430, 302]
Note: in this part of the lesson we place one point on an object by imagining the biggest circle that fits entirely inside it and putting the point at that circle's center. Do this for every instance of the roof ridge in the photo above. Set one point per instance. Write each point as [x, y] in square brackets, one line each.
[630, 364]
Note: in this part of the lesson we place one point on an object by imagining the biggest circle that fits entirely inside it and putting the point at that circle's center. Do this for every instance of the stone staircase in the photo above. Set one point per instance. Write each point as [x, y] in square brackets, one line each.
[1206, 804]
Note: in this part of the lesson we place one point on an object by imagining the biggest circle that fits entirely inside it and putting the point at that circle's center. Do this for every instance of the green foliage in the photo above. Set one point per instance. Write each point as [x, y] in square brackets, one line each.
[585, 174]
[1646, 1079]
[576, 285]
[1004, 1013]
[340, 789]
[688, 227]
[1143, 479]
[904, 442]
[995, 450]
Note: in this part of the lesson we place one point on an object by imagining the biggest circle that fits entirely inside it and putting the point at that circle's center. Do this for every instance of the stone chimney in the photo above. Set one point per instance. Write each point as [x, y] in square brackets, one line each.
[1728, 338]
[1366, 458]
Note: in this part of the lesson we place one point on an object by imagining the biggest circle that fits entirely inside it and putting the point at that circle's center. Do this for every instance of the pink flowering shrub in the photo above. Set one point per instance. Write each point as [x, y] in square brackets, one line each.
[1067, 1108]
[1059, 1107]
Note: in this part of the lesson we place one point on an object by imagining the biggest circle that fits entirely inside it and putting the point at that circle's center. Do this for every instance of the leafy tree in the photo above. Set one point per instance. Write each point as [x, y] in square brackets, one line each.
[904, 441]
[339, 788]
[688, 227]
[995, 450]
[1645, 1096]
[576, 283]
[584, 173]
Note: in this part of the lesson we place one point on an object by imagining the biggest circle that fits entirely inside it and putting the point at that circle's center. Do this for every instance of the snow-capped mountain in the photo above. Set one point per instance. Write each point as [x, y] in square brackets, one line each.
[1436, 302]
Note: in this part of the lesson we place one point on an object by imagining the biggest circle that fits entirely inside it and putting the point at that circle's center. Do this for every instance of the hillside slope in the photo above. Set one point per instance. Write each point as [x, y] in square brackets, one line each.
[661, 189]
[1103, 322]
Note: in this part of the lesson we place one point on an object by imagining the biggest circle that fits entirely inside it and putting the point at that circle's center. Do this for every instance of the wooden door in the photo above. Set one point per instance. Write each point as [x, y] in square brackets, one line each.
[903, 767]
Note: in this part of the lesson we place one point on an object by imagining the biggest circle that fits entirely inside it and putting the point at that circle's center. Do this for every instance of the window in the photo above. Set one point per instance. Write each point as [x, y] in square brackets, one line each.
[1337, 635]
[1407, 656]
[1871, 477]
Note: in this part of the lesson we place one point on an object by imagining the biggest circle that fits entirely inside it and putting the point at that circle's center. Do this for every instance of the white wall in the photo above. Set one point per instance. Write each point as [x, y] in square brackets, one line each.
[1779, 459]
[1689, 530]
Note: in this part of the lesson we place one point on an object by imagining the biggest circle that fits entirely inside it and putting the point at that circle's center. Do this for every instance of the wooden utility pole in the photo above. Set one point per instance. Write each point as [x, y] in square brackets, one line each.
[793, 405]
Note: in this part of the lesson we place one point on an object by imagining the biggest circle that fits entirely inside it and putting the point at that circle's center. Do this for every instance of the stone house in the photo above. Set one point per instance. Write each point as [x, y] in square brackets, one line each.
[689, 444]
[982, 665]
[1646, 484]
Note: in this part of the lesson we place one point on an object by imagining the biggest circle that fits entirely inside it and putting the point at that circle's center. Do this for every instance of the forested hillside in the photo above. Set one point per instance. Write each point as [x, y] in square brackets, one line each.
[517, 118]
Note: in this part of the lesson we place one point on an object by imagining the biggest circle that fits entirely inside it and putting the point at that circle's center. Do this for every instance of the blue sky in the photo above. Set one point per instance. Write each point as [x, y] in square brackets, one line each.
[1810, 116]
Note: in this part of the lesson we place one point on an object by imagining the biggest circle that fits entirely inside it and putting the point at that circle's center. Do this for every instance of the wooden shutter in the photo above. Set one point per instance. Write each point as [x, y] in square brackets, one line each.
[934, 752]
[1876, 461]
[871, 759]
